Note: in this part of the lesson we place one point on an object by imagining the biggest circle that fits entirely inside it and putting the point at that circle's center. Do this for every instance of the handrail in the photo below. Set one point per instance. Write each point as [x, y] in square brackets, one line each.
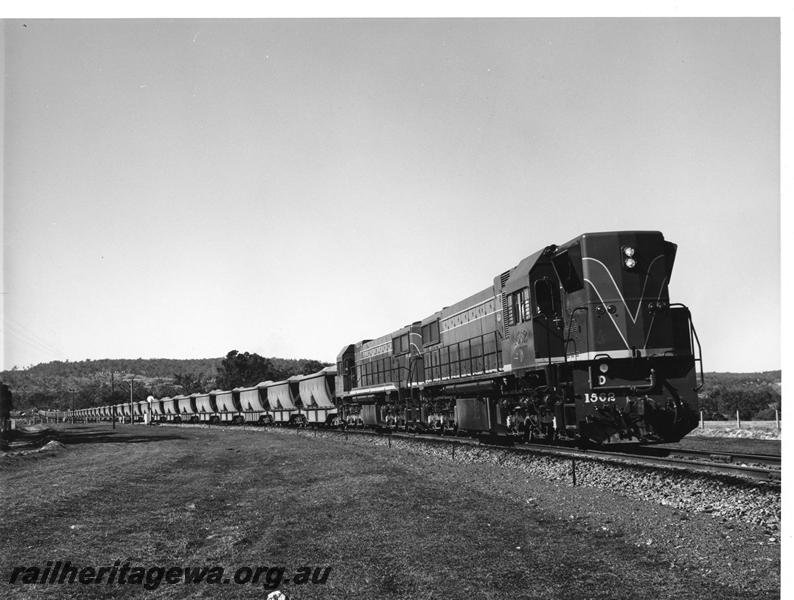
[693, 335]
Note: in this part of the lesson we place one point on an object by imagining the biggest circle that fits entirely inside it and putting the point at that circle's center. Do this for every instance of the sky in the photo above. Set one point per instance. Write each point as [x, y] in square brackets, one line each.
[183, 188]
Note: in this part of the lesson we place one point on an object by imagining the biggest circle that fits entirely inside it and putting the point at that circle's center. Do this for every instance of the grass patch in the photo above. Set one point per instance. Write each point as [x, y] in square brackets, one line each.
[389, 524]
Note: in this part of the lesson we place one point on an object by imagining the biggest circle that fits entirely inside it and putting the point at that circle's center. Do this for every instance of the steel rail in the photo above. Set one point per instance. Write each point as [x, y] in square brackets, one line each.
[724, 469]
[713, 468]
[772, 460]
[699, 466]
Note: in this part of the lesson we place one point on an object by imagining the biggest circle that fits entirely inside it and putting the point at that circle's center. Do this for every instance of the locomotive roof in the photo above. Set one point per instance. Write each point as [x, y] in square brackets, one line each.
[610, 234]
[522, 267]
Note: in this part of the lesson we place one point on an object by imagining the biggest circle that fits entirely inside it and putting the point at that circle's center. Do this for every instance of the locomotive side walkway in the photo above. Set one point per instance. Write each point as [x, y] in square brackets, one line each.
[389, 524]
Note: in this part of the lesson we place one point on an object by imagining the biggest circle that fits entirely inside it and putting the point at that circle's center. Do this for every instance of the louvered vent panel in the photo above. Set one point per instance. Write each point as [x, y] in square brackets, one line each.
[506, 317]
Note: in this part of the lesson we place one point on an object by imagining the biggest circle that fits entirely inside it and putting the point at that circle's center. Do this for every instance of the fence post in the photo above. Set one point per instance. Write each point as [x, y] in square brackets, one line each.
[777, 419]
[738, 421]
[702, 423]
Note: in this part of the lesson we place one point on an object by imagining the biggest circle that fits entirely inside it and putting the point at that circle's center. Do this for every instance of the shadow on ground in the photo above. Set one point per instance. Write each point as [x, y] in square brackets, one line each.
[26, 439]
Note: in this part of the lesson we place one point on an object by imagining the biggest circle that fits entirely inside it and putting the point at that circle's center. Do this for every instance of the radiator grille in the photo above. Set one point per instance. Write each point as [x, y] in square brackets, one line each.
[506, 317]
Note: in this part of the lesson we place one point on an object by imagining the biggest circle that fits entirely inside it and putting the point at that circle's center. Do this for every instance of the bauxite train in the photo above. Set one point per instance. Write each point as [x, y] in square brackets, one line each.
[578, 341]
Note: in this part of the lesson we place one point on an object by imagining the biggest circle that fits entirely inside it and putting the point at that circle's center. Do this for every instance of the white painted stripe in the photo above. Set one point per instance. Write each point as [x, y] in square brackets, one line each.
[617, 288]
[470, 321]
[453, 379]
[653, 317]
[373, 390]
[617, 328]
[460, 312]
[644, 353]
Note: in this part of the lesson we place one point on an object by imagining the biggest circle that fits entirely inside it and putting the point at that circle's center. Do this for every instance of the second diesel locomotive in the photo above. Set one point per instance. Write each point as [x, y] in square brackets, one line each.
[578, 341]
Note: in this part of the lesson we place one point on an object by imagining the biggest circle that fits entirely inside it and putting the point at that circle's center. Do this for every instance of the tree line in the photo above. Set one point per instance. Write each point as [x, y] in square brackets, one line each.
[64, 385]
[755, 395]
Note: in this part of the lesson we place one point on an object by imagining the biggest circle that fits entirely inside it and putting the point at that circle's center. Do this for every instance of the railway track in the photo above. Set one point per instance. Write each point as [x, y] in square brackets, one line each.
[746, 466]
[757, 467]
[741, 466]
[771, 460]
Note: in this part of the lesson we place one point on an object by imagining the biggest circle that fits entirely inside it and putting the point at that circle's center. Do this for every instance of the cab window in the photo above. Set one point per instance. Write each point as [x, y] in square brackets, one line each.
[519, 307]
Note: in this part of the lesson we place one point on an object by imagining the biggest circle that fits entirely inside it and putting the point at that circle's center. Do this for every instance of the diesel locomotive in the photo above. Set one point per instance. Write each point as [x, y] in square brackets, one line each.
[576, 342]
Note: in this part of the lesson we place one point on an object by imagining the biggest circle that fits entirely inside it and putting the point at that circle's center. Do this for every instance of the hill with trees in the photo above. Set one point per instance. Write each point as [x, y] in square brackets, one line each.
[755, 395]
[65, 384]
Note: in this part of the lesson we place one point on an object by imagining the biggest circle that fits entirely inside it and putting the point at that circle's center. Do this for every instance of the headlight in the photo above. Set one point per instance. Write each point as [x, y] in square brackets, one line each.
[603, 367]
[630, 263]
[628, 251]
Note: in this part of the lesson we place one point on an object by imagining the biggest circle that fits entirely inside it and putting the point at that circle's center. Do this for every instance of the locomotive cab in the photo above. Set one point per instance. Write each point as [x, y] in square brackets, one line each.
[533, 315]
[591, 338]
[631, 352]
